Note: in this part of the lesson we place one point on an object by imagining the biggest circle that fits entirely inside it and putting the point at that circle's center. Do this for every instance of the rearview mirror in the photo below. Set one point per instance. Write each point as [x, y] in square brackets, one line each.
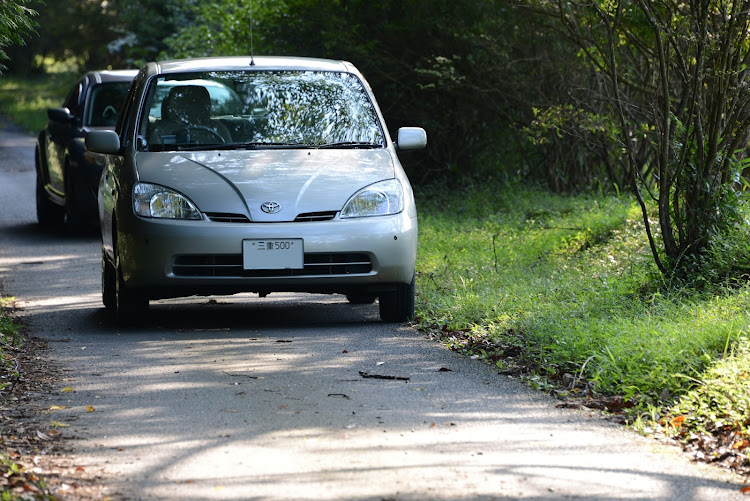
[60, 115]
[103, 141]
[411, 138]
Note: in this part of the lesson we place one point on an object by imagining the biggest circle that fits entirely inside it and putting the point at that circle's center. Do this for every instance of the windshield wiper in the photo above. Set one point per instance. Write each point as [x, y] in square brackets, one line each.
[228, 146]
[253, 145]
[351, 144]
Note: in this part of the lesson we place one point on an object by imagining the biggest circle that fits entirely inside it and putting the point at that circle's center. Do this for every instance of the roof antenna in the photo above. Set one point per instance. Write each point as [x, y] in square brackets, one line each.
[252, 56]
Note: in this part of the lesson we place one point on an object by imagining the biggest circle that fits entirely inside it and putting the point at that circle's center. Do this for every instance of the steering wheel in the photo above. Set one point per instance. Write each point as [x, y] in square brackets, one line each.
[206, 129]
[109, 113]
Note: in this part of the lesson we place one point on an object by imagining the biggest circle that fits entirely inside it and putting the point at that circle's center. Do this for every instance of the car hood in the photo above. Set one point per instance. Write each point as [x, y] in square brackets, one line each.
[237, 182]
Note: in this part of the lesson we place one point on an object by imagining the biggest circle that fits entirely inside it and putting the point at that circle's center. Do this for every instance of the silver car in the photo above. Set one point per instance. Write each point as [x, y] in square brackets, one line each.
[262, 174]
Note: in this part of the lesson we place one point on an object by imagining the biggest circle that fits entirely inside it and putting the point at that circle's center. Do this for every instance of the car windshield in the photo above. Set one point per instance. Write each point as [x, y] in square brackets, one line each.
[105, 102]
[257, 109]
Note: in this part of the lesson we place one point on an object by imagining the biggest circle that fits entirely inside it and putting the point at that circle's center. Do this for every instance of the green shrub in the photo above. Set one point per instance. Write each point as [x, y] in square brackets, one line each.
[555, 286]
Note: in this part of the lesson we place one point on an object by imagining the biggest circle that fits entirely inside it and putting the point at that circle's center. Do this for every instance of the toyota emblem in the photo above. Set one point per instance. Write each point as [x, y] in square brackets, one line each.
[270, 207]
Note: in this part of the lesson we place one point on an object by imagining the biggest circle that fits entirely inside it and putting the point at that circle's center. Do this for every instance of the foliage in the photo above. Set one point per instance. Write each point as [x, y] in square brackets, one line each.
[19, 484]
[559, 289]
[9, 338]
[25, 100]
[580, 148]
[15, 22]
[465, 70]
[713, 419]
[673, 76]
[99, 35]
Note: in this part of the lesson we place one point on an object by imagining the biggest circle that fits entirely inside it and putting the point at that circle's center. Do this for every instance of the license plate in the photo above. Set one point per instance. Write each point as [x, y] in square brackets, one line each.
[273, 254]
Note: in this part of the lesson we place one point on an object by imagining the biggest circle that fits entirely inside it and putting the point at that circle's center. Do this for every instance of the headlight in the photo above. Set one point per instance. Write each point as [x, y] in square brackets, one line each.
[152, 200]
[379, 199]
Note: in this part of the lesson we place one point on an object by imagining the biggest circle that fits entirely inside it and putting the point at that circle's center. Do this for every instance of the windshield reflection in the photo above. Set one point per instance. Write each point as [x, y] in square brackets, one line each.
[252, 109]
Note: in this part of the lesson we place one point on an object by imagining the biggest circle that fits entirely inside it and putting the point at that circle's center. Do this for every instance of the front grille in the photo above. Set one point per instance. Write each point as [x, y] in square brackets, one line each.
[223, 217]
[315, 216]
[230, 266]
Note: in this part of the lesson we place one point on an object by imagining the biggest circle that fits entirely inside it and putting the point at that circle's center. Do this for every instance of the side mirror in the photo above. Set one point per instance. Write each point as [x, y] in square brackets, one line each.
[411, 138]
[103, 141]
[60, 115]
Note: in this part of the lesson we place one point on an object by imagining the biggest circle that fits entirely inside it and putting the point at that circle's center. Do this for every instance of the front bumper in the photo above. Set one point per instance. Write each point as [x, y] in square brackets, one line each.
[171, 258]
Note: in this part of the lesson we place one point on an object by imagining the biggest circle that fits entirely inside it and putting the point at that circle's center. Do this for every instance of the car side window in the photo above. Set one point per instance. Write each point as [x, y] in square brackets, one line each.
[72, 101]
[105, 103]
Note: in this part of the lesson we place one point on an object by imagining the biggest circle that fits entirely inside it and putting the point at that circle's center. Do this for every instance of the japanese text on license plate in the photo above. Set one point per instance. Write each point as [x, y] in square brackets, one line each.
[273, 254]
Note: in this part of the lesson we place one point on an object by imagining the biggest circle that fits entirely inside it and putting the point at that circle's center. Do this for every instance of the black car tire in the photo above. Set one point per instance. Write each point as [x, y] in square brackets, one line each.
[398, 306]
[109, 284]
[48, 213]
[131, 303]
[72, 204]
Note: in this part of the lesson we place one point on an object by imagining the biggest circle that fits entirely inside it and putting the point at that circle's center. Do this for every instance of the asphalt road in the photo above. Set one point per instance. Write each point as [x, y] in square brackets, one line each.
[243, 398]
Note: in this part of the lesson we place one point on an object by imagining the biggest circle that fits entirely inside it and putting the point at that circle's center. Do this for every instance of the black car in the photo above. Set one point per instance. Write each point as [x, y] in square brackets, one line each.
[67, 174]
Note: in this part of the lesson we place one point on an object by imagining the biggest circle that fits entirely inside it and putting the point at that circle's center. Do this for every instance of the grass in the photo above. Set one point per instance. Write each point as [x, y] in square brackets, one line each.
[561, 290]
[26, 99]
[10, 336]
[713, 419]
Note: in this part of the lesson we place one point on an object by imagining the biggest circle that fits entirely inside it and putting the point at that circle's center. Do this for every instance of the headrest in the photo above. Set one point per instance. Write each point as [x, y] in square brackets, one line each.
[187, 103]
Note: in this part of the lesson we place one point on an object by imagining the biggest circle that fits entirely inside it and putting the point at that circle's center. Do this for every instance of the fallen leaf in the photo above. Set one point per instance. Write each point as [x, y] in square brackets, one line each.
[57, 407]
[677, 422]
[42, 435]
[90, 408]
[745, 490]
[56, 424]
[68, 389]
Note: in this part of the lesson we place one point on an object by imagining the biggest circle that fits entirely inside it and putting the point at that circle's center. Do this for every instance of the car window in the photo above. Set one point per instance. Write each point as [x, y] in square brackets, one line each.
[224, 101]
[105, 103]
[303, 108]
[72, 99]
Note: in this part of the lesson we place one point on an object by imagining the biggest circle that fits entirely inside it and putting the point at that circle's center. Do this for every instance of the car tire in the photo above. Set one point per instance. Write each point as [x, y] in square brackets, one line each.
[109, 284]
[131, 302]
[49, 214]
[73, 212]
[361, 298]
[398, 306]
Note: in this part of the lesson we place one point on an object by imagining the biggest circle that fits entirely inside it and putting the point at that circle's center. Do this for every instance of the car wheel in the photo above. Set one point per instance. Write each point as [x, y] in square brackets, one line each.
[48, 213]
[109, 285]
[361, 298]
[72, 211]
[398, 306]
[131, 302]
